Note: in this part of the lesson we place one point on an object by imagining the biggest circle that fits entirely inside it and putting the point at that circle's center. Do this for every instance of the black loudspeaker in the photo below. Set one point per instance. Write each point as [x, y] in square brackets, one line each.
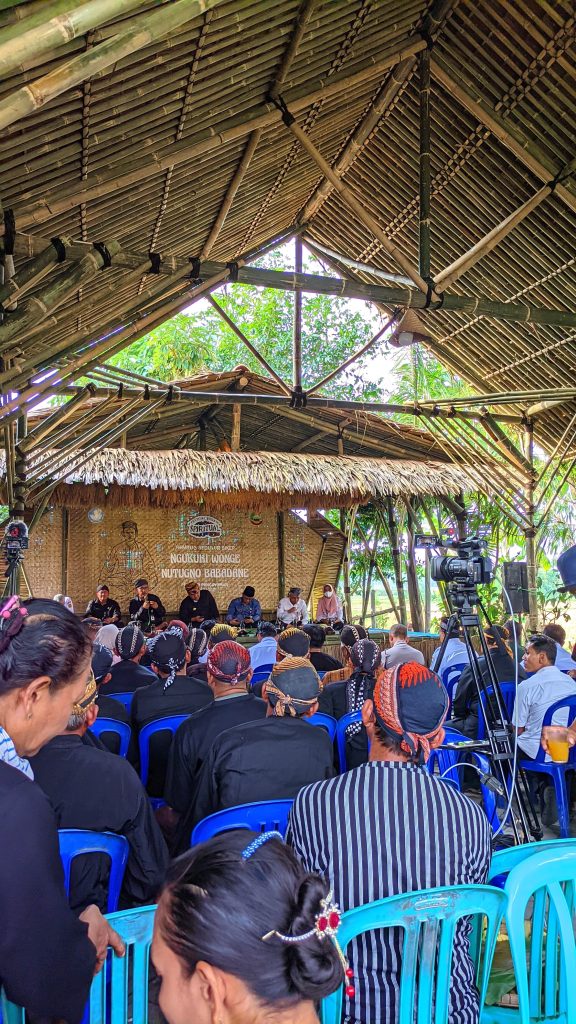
[516, 583]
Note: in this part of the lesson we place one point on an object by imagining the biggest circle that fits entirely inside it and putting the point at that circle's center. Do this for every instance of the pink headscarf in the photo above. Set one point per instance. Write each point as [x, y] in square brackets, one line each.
[328, 606]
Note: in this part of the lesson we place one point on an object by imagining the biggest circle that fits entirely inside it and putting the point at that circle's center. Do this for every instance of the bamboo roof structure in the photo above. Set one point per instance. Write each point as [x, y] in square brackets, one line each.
[152, 148]
[224, 481]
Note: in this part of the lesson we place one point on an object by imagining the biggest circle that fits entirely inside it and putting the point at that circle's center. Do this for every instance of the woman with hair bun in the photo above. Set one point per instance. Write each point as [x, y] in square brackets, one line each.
[243, 935]
[47, 954]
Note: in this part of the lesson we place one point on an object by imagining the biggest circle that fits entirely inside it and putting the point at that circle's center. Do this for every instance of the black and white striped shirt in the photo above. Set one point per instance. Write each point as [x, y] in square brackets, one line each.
[385, 828]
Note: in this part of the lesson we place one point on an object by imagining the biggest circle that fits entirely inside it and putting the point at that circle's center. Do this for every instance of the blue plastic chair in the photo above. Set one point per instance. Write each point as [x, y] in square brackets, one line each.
[169, 724]
[544, 979]
[428, 920]
[120, 992]
[263, 816]
[450, 676]
[75, 842]
[341, 726]
[325, 722]
[122, 698]
[448, 761]
[557, 772]
[261, 674]
[508, 691]
[120, 729]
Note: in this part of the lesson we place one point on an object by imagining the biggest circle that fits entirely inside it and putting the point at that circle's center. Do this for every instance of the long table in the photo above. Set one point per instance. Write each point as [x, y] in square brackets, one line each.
[425, 642]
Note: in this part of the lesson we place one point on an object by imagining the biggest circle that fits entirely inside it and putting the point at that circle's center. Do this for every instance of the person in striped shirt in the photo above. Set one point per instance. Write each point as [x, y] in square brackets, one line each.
[388, 827]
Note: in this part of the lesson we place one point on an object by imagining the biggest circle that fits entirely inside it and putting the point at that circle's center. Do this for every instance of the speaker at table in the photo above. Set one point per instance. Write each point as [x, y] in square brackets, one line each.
[516, 583]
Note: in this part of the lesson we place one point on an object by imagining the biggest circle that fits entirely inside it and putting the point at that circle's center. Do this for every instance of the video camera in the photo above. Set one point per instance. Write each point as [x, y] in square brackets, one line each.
[15, 543]
[468, 568]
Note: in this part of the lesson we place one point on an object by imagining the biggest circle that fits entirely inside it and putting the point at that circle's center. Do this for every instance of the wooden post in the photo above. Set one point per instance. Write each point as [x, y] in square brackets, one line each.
[281, 556]
[424, 164]
[235, 432]
[297, 329]
[373, 608]
[345, 527]
[412, 577]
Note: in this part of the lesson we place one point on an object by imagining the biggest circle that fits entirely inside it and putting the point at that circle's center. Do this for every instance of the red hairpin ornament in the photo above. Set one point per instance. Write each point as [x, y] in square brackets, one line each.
[326, 925]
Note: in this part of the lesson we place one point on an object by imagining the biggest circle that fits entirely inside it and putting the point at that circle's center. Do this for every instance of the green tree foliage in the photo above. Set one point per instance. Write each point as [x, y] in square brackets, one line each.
[198, 341]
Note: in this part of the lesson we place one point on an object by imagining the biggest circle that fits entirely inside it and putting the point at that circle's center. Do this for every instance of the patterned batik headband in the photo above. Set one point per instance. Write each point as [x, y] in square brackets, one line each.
[88, 698]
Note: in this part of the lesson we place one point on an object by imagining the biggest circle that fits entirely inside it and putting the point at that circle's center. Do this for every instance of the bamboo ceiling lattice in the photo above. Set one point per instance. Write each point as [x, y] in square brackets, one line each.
[426, 148]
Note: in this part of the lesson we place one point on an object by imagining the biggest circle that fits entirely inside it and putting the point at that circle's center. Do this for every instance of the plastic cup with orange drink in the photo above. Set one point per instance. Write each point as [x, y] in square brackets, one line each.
[557, 745]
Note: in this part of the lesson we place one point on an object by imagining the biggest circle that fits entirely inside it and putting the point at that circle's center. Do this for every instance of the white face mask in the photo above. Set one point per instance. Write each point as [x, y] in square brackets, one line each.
[328, 593]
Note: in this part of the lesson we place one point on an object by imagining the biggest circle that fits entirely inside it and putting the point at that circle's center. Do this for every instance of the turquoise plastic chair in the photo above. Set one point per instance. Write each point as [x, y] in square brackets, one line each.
[557, 772]
[428, 920]
[504, 860]
[325, 722]
[262, 816]
[123, 982]
[545, 961]
[120, 729]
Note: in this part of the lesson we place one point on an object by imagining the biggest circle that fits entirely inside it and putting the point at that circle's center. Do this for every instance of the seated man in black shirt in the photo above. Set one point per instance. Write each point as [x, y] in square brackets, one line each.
[103, 607]
[198, 606]
[128, 675]
[172, 693]
[271, 758]
[229, 673]
[322, 662]
[146, 609]
[90, 788]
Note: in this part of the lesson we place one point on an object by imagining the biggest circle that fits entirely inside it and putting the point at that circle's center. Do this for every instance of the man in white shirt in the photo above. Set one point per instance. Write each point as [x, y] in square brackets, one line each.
[455, 652]
[400, 650]
[264, 652]
[536, 694]
[557, 633]
[292, 610]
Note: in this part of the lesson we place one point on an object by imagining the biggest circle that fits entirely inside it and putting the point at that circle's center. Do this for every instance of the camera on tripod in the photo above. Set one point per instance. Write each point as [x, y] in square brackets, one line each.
[15, 543]
[470, 567]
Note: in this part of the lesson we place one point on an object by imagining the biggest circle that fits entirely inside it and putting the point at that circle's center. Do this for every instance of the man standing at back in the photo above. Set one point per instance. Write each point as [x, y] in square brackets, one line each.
[388, 827]
[400, 650]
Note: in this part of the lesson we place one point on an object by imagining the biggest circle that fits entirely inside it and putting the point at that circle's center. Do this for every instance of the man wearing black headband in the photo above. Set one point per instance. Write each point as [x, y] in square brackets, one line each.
[128, 675]
[90, 788]
[389, 827]
[273, 757]
[229, 673]
[173, 693]
[146, 609]
[102, 607]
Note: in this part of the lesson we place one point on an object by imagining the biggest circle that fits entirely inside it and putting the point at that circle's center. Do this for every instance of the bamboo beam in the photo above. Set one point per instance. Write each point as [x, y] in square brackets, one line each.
[16, 53]
[424, 164]
[510, 136]
[447, 277]
[33, 272]
[59, 417]
[356, 355]
[144, 30]
[116, 176]
[297, 325]
[508, 447]
[351, 201]
[54, 294]
[365, 268]
[530, 536]
[240, 334]
[475, 306]
[56, 439]
[236, 426]
[237, 179]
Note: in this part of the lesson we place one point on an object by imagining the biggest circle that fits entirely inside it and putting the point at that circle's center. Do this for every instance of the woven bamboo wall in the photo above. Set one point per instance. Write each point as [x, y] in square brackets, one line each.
[243, 550]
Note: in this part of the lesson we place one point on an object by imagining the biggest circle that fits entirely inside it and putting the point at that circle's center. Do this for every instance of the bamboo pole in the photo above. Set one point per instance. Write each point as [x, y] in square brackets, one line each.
[237, 179]
[54, 440]
[318, 284]
[281, 555]
[145, 30]
[365, 268]
[356, 355]
[371, 566]
[352, 202]
[297, 326]
[411, 575]
[530, 536]
[240, 334]
[16, 53]
[236, 425]
[59, 417]
[118, 175]
[508, 448]
[514, 139]
[32, 272]
[54, 294]
[424, 164]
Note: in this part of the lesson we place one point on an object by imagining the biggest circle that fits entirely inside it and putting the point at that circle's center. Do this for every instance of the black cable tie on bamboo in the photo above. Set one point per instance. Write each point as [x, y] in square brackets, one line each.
[155, 261]
[233, 271]
[107, 258]
[298, 397]
[9, 231]
[170, 395]
[280, 104]
[60, 249]
[558, 178]
[120, 391]
[195, 272]
[146, 393]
